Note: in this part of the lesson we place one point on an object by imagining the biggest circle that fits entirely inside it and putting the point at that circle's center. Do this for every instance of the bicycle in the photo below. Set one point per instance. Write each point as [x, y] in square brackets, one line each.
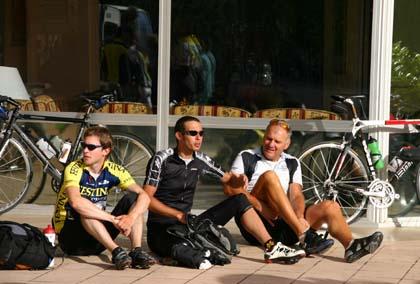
[16, 164]
[344, 171]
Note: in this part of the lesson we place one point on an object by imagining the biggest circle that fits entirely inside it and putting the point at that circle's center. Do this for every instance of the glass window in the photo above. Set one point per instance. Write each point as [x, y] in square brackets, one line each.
[129, 48]
[405, 94]
[258, 55]
[59, 54]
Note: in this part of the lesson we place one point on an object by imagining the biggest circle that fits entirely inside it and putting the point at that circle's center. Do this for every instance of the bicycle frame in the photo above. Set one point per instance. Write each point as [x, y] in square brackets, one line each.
[356, 134]
[11, 125]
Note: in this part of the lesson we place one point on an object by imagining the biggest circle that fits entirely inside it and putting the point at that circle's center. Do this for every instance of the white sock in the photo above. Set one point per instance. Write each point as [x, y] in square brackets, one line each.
[206, 264]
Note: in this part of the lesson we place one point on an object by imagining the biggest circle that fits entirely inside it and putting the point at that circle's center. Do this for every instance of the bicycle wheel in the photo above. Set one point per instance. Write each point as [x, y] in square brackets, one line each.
[318, 162]
[406, 188]
[132, 153]
[38, 179]
[15, 175]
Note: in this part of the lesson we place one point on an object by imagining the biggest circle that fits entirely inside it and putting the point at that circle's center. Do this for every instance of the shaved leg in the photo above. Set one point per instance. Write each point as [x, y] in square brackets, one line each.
[97, 229]
[329, 212]
[253, 224]
[273, 199]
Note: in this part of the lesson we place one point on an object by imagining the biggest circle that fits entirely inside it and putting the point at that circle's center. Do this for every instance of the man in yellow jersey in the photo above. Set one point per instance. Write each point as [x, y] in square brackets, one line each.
[80, 220]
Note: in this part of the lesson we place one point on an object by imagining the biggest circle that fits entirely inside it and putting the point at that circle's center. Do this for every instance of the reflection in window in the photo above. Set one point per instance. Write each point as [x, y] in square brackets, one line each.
[405, 86]
[129, 53]
[268, 54]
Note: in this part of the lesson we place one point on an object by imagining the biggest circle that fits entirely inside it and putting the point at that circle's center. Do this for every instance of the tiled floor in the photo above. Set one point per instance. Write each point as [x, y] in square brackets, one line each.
[396, 261]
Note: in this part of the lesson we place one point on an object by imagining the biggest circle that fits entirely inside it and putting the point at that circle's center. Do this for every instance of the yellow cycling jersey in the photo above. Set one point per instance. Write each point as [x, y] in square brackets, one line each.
[95, 190]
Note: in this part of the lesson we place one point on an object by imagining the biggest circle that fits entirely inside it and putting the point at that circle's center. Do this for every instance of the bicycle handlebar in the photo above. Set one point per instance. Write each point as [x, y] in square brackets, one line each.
[6, 99]
[92, 98]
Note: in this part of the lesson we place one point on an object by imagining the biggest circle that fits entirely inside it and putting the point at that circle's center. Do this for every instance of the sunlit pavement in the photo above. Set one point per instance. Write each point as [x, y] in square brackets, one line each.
[396, 261]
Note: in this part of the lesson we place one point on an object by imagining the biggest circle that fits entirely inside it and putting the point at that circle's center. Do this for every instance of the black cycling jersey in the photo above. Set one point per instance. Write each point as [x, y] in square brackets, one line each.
[176, 181]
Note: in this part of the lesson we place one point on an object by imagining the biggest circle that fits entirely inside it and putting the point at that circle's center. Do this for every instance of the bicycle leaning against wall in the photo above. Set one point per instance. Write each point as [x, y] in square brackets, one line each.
[344, 171]
[16, 161]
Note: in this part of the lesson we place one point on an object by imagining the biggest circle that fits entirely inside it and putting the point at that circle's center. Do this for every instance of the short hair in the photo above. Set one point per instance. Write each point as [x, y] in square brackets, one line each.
[180, 123]
[282, 123]
[105, 137]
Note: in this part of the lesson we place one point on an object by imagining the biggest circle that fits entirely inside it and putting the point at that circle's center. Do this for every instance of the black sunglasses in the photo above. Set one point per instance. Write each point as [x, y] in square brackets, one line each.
[90, 147]
[194, 133]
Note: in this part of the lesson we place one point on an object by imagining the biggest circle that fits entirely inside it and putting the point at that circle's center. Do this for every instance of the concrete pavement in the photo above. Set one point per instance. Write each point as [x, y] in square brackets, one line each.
[396, 261]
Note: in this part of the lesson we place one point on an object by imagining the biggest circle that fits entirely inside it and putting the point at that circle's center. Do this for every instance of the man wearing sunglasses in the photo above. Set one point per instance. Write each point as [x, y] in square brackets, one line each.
[80, 220]
[171, 180]
[275, 191]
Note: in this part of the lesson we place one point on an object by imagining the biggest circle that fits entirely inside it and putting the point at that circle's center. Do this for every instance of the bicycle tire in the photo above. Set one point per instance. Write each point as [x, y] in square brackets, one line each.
[406, 187]
[38, 180]
[15, 175]
[133, 154]
[316, 164]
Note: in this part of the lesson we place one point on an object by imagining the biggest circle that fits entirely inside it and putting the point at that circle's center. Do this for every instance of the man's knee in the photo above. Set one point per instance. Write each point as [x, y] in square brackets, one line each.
[331, 207]
[242, 202]
[269, 176]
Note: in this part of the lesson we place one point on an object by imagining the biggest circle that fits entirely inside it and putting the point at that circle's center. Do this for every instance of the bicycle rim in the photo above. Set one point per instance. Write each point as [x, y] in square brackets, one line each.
[38, 180]
[132, 153]
[15, 175]
[405, 187]
[317, 163]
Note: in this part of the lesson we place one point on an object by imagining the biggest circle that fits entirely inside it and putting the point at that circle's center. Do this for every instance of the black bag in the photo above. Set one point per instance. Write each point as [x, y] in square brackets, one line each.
[205, 235]
[23, 246]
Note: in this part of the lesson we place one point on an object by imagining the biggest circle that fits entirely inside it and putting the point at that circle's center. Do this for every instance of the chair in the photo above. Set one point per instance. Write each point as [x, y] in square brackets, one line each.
[296, 113]
[210, 110]
[125, 107]
[39, 103]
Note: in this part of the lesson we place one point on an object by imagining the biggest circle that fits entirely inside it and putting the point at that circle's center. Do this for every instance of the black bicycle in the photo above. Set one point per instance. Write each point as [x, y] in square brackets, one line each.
[20, 152]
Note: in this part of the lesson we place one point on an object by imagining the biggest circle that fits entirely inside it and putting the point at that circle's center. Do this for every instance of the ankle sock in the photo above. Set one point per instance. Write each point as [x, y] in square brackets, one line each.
[269, 245]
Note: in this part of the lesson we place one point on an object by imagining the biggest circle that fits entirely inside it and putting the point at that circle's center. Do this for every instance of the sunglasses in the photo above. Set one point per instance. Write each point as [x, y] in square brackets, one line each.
[283, 124]
[194, 133]
[90, 147]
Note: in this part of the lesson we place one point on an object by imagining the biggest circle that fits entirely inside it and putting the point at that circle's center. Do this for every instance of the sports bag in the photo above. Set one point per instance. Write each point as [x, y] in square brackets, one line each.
[23, 246]
[205, 235]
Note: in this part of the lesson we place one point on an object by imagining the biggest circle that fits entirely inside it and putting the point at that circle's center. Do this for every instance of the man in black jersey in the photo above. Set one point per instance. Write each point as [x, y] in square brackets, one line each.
[171, 180]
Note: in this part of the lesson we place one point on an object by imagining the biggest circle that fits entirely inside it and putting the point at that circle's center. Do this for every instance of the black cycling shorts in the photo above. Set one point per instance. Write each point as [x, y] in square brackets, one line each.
[75, 240]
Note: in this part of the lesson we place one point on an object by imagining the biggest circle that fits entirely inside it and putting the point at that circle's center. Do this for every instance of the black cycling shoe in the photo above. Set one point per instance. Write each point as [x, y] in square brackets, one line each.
[141, 259]
[363, 246]
[120, 258]
[315, 243]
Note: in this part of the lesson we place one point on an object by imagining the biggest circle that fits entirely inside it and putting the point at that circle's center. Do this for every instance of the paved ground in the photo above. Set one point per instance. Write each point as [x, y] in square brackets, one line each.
[396, 261]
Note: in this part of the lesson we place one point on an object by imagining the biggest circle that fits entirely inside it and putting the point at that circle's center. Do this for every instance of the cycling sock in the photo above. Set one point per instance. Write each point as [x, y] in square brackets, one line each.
[269, 245]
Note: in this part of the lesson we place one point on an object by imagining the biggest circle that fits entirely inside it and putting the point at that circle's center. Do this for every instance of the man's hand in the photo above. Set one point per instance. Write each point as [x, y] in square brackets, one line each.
[234, 184]
[124, 224]
[182, 217]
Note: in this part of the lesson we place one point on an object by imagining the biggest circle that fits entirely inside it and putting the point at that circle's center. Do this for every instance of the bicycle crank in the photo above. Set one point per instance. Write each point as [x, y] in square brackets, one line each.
[381, 194]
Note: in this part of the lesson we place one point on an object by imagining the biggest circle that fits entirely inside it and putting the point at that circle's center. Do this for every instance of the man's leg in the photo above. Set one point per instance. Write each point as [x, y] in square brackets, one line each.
[274, 200]
[329, 212]
[140, 258]
[239, 207]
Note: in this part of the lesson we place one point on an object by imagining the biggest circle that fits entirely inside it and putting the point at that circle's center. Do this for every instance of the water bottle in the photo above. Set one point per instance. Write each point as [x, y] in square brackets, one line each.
[65, 151]
[50, 234]
[46, 148]
[375, 153]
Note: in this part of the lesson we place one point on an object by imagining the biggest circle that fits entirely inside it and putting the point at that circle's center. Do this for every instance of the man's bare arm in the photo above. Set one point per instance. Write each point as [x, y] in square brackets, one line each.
[86, 208]
[125, 222]
[158, 207]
